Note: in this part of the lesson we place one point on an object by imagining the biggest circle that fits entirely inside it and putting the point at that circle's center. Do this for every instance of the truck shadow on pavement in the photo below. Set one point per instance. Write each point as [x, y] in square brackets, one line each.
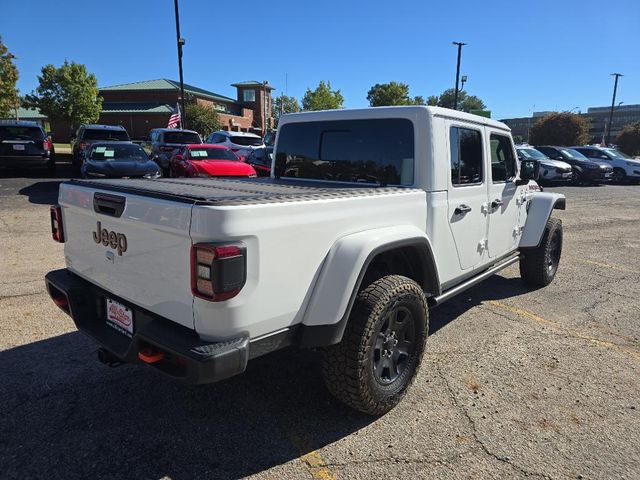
[64, 415]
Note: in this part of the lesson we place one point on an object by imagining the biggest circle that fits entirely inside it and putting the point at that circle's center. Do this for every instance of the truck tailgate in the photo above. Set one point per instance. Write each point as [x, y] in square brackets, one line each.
[141, 254]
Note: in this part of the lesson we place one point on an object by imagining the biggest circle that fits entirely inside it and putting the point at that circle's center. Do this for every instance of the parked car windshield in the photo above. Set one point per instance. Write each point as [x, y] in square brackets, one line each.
[617, 154]
[182, 137]
[531, 154]
[11, 132]
[365, 151]
[117, 152]
[571, 153]
[100, 134]
[247, 141]
[211, 154]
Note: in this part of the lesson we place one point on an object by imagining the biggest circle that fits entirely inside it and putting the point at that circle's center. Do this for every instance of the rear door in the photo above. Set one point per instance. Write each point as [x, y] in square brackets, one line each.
[467, 196]
[133, 246]
[504, 196]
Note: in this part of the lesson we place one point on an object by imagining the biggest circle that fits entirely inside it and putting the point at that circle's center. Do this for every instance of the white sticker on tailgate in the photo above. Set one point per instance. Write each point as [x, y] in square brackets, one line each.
[119, 317]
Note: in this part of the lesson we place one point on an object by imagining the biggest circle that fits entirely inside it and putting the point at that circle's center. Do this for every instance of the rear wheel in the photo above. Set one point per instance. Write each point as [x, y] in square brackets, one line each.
[539, 265]
[382, 346]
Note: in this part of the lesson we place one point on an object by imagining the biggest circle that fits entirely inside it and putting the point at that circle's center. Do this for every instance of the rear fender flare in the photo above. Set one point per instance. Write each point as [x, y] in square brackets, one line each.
[342, 273]
[538, 212]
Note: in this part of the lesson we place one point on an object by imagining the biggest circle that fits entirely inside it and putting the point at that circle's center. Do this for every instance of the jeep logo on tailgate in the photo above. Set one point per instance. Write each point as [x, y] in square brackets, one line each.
[115, 240]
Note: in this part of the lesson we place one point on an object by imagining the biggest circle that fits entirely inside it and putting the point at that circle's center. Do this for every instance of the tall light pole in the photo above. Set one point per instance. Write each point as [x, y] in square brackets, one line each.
[455, 96]
[180, 40]
[613, 102]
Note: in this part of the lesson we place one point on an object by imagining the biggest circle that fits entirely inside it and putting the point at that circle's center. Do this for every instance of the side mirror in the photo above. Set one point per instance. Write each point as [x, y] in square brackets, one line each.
[178, 158]
[529, 170]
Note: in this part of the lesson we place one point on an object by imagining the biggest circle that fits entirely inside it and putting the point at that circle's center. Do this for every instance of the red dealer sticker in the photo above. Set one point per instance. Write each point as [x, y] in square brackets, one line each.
[119, 317]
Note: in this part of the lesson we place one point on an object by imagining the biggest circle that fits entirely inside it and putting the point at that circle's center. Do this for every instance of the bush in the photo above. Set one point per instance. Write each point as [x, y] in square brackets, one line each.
[562, 129]
[202, 118]
[628, 140]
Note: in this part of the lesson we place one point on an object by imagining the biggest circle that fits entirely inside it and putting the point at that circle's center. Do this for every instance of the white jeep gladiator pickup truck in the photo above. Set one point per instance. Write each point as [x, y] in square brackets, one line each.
[369, 217]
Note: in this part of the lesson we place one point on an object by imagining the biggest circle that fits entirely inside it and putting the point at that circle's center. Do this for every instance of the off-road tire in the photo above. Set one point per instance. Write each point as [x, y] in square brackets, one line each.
[539, 265]
[348, 367]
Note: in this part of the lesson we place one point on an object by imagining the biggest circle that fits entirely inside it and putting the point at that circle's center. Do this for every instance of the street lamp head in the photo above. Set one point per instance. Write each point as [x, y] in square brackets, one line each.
[458, 43]
[616, 75]
[464, 79]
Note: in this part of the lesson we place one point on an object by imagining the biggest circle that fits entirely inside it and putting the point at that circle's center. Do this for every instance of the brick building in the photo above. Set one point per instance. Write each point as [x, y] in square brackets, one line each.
[141, 106]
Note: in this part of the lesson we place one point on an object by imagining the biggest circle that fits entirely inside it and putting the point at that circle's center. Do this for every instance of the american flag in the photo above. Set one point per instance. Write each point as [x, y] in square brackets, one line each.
[175, 118]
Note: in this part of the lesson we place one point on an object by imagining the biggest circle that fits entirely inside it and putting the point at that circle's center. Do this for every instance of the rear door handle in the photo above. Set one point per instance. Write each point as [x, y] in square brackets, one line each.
[460, 209]
[496, 203]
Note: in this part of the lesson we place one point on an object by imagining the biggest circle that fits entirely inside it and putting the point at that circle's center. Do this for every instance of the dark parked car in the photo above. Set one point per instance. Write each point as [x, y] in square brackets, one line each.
[25, 144]
[90, 134]
[625, 168]
[118, 160]
[163, 143]
[584, 169]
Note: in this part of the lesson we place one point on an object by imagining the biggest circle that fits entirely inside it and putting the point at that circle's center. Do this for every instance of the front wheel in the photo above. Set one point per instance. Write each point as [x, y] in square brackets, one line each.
[381, 350]
[619, 175]
[539, 265]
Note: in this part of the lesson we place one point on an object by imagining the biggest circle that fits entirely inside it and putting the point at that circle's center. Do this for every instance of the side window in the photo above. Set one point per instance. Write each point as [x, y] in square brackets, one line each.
[466, 156]
[503, 164]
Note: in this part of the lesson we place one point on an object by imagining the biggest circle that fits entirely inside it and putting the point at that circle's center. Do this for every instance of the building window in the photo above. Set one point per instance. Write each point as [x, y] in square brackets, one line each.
[249, 95]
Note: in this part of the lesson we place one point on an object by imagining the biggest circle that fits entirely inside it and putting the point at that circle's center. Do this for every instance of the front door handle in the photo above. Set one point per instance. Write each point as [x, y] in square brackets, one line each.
[496, 203]
[460, 209]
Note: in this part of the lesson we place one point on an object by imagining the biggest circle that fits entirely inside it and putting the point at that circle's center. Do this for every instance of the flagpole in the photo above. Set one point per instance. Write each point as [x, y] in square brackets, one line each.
[180, 44]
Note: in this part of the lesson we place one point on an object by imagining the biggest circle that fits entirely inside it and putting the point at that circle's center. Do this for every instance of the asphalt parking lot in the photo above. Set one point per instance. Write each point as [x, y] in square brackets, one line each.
[515, 383]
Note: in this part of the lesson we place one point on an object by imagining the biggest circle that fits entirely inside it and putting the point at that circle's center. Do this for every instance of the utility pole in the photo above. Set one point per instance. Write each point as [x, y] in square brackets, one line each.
[183, 114]
[613, 102]
[455, 97]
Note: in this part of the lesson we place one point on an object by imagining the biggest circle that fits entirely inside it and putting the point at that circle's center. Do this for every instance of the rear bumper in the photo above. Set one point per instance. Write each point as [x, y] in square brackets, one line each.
[18, 161]
[185, 356]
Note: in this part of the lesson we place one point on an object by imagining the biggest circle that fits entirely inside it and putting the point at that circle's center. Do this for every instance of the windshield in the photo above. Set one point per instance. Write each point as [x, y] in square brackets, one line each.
[574, 154]
[20, 133]
[116, 135]
[364, 151]
[531, 154]
[247, 141]
[183, 138]
[117, 152]
[211, 154]
[617, 154]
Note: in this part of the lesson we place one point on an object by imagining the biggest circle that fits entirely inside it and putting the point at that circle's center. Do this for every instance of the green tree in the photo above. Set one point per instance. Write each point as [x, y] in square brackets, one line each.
[322, 98]
[629, 139]
[466, 102]
[9, 99]
[284, 104]
[202, 118]
[563, 129]
[392, 93]
[68, 93]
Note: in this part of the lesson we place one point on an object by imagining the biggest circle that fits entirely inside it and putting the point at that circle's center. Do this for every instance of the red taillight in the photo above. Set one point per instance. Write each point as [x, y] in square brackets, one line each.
[57, 231]
[46, 144]
[218, 272]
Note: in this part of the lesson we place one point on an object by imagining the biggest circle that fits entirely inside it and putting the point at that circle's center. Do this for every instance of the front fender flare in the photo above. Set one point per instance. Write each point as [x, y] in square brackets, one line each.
[538, 213]
[339, 281]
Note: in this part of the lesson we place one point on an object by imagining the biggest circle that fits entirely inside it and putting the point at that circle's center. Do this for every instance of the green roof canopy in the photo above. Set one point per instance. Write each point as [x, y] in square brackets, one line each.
[165, 84]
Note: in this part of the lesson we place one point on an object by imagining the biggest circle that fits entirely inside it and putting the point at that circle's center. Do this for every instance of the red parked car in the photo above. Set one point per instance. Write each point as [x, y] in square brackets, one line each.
[204, 160]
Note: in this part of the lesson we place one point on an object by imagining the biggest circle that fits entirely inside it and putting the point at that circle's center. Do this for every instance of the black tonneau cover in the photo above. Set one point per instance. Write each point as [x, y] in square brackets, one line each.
[224, 192]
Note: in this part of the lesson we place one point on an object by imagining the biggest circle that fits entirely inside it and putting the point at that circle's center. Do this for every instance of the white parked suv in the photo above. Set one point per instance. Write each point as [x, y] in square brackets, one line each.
[369, 217]
[625, 168]
[241, 143]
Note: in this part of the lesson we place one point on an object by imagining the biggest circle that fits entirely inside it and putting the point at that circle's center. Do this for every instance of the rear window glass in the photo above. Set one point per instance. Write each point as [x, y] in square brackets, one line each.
[363, 151]
[20, 133]
[99, 134]
[117, 152]
[247, 141]
[211, 154]
[183, 138]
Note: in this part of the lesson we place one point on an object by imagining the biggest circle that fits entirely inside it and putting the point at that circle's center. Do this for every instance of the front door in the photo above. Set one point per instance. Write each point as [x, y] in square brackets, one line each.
[504, 195]
[467, 197]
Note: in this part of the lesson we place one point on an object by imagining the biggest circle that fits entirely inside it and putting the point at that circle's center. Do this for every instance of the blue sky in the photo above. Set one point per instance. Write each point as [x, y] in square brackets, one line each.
[522, 56]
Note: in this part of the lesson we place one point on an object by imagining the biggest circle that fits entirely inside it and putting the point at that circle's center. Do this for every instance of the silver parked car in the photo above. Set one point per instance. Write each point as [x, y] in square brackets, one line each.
[551, 171]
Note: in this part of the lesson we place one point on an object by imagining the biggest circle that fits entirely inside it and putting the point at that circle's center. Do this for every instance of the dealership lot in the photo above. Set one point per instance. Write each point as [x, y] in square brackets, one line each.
[516, 382]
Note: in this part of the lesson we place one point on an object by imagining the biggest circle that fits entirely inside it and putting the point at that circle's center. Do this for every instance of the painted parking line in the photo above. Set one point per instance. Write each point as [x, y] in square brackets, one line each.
[611, 267]
[313, 460]
[634, 353]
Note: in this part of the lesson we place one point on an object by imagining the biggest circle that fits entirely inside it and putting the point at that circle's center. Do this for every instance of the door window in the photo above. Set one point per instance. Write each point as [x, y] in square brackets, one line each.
[466, 156]
[503, 163]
